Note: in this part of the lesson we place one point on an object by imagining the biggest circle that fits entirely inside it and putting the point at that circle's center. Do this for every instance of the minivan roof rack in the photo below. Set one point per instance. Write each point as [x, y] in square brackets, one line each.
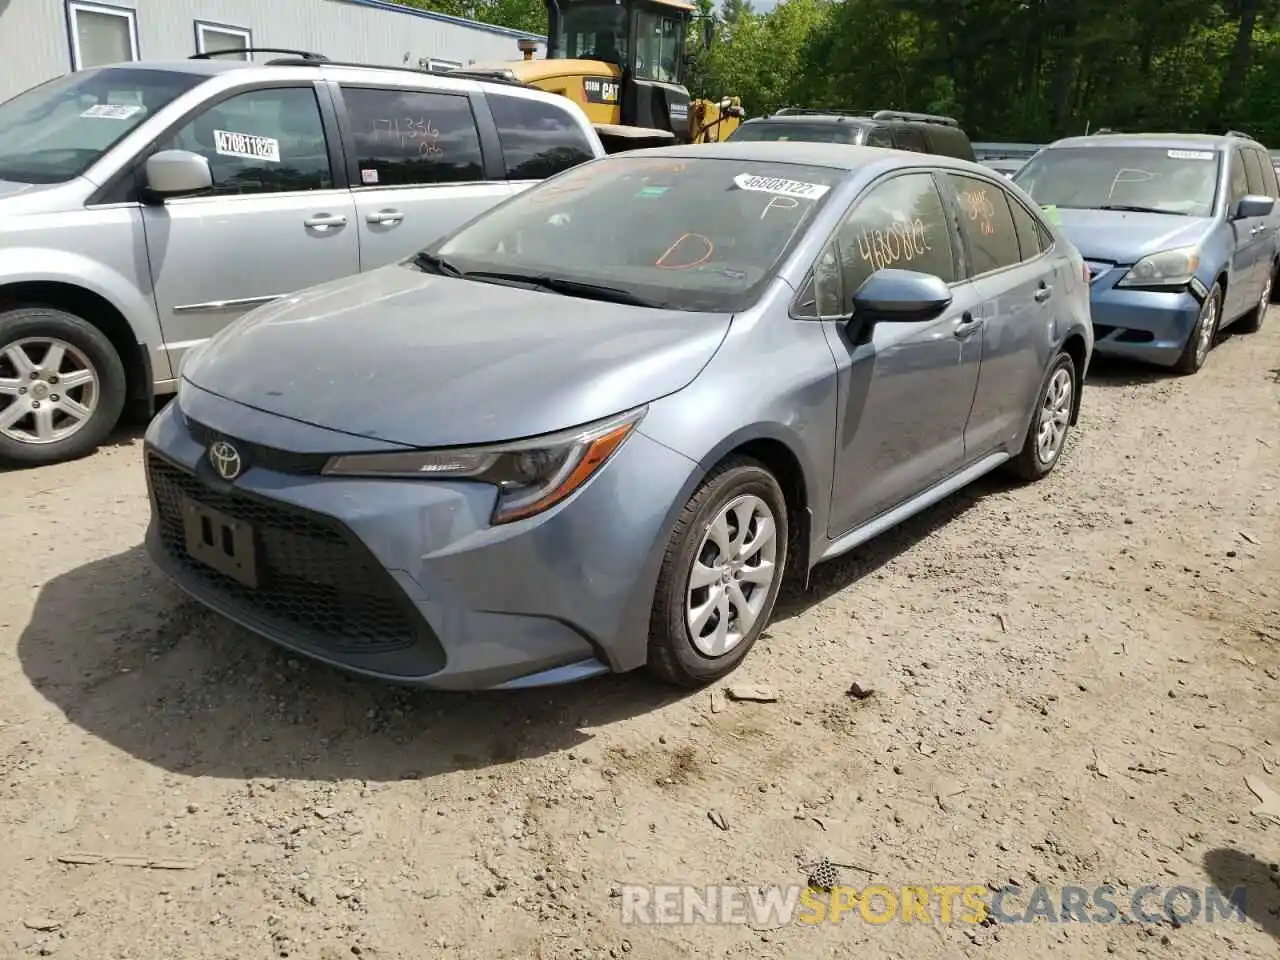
[306, 55]
[917, 117]
[1241, 134]
[460, 73]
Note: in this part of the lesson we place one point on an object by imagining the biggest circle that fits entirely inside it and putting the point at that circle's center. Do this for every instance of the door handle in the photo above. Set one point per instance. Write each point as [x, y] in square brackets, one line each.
[1044, 293]
[967, 326]
[323, 221]
[385, 217]
[1257, 230]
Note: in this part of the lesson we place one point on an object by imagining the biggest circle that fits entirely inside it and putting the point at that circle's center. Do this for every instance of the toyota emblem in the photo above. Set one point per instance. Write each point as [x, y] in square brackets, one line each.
[226, 460]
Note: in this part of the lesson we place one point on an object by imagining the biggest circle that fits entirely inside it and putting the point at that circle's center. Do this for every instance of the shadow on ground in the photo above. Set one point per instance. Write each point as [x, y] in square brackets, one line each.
[1232, 870]
[132, 661]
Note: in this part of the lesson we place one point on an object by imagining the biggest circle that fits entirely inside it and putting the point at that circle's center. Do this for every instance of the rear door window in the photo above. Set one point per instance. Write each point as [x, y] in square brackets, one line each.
[987, 222]
[413, 137]
[909, 138]
[879, 137]
[538, 139]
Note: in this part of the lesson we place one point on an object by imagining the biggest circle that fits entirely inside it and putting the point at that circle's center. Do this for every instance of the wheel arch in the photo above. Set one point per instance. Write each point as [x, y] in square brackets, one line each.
[96, 310]
[1075, 347]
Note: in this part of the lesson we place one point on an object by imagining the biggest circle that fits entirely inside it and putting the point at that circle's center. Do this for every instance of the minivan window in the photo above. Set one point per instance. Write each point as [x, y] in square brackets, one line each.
[909, 138]
[413, 137]
[55, 131]
[786, 130]
[538, 138]
[689, 232]
[1159, 179]
[261, 141]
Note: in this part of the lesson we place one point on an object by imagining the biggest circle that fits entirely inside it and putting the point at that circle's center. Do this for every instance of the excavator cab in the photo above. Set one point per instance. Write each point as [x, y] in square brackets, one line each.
[624, 62]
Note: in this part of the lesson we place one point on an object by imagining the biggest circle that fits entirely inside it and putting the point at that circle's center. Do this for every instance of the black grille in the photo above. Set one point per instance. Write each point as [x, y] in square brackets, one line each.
[318, 586]
[282, 461]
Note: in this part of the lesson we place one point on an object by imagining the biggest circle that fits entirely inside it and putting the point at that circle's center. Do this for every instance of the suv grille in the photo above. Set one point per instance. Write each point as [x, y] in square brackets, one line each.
[318, 585]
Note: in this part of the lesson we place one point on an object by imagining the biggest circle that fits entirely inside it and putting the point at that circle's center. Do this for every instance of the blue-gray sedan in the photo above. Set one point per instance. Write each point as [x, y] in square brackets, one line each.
[594, 428]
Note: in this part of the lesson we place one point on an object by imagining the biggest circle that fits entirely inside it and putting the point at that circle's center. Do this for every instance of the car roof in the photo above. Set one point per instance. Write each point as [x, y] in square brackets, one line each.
[837, 156]
[1170, 141]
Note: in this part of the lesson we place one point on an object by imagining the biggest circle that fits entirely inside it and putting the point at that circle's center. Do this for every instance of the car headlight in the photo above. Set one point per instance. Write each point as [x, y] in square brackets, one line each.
[1169, 268]
[531, 475]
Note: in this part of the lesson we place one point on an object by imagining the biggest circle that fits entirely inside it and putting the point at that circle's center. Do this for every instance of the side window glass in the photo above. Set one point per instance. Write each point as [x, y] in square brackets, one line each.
[822, 297]
[879, 137]
[264, 141]
[900, 223]
[538, 138]
[908, 138]
[988, 224]
[1238, 184]
[1273, 179]
[1253, 173]
[412, 137]
[1029, 232]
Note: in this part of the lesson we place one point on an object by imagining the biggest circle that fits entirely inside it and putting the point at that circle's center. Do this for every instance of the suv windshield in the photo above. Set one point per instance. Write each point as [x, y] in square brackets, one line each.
[1159, 179]
[680, 232]
[787, 130]
[55, 131]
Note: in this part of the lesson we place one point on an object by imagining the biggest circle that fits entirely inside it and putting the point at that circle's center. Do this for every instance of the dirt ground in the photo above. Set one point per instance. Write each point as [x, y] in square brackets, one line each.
[1071, 683]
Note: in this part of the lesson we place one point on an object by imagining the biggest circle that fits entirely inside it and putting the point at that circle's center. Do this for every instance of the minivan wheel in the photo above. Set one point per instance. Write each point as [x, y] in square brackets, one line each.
[1051, 422]
[1251, 322]
[62, 386]
[1200, 340]
[721, 574]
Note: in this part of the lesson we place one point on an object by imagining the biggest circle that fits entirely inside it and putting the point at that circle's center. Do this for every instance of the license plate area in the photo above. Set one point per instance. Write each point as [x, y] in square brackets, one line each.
[224, 543]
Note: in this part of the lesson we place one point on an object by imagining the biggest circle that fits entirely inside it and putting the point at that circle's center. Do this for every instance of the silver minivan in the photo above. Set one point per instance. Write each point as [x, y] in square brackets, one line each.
[145, 206]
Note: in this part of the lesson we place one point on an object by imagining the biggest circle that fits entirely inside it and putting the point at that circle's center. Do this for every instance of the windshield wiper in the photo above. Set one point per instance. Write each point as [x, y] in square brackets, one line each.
[429, 261]
[1134, 208]
[572, 288]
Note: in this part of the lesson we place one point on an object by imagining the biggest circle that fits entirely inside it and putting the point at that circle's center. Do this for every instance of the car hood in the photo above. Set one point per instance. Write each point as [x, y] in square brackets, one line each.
[425, 360]
[1125, 238]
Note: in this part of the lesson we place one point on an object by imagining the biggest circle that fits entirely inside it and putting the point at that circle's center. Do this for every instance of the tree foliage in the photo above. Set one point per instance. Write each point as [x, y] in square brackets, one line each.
[1008, 69]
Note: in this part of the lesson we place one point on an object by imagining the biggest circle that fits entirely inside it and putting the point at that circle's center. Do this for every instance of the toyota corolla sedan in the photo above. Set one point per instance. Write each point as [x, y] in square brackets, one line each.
[594, 428]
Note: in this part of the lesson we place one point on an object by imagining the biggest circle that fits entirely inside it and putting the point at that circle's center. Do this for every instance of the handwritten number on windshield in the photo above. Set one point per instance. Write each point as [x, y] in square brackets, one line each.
[693, 241]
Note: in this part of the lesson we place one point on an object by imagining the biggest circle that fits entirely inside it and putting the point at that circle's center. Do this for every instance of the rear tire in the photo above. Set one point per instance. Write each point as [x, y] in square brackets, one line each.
[721, 574]
[62, 386]
[1051, 422]
[1253, 320]
[1200, 340]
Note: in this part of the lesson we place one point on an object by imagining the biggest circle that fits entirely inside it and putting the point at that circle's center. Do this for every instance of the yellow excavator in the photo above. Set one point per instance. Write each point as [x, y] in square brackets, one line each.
[624, 62]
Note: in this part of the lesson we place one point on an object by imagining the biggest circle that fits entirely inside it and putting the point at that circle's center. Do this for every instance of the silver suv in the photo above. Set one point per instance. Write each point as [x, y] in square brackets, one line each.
[145, 206]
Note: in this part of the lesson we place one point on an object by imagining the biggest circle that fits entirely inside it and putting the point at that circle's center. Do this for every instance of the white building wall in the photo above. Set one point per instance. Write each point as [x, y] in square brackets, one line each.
[35, 35]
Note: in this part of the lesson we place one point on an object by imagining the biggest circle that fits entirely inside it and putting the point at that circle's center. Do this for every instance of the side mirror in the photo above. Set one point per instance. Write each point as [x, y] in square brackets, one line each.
[1252, 206]
[901, 296]
[178, 173]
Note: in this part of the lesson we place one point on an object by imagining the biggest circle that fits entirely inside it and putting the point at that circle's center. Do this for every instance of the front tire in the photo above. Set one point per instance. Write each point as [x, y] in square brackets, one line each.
[1200, 341]
[1051, 422]
[62, 386]
[721, 574]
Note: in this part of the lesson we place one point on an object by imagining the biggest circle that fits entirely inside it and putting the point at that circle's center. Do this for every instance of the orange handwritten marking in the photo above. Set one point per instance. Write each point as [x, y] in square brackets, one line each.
[661, 261]
[896, 243]
[979, 208]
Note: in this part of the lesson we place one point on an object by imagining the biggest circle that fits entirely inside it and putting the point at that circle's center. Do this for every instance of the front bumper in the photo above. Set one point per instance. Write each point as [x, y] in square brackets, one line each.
[1148, 325]
[405, 580]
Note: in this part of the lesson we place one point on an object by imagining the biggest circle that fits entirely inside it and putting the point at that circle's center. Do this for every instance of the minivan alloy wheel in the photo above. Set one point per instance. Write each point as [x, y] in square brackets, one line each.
[733, 571]
[1204, 333]
[1055, 416]
[49, 390]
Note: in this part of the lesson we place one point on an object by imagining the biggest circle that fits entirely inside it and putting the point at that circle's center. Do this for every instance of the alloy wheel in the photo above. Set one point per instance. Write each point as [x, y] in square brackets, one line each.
[1208, 327]
[733, 571]
[48, 390]
[1055, 416]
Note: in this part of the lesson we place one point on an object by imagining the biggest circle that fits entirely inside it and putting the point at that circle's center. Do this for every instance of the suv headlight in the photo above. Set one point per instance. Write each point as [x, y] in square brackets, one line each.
[1169, 268]
[531, 475]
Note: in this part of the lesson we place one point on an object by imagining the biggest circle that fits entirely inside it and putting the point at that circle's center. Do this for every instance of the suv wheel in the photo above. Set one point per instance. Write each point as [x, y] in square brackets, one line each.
[62, 386]
[1200, 341]
[1251, 322]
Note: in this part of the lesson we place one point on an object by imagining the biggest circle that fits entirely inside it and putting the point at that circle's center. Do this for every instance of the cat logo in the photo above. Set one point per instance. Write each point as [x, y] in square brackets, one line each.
[599, 90]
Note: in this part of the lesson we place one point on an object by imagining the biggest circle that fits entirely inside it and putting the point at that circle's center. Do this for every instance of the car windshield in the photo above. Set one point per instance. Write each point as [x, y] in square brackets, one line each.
[784, 130]
[681, 232]
[55, 131]
[1159, 179]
